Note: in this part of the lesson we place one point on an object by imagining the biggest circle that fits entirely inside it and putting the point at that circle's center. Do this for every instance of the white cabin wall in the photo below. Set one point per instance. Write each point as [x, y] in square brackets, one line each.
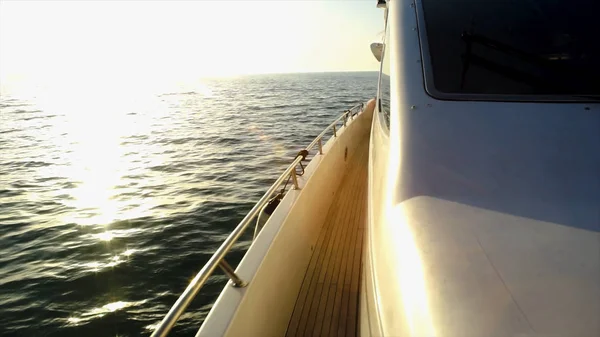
[369, 312]
[378, 163]
[383, 309]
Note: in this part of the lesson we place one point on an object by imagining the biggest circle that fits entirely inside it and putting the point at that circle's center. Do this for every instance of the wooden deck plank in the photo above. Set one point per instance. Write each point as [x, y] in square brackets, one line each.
[338, 327]
[303, 305]
[353, 319]
[302, 298]
[313, 328]
[341, 296]
[343, 222]
[319, 298]
[327, 304]
[316, 285]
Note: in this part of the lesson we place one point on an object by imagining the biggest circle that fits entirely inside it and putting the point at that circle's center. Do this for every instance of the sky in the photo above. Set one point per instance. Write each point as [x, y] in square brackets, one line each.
[128, 43]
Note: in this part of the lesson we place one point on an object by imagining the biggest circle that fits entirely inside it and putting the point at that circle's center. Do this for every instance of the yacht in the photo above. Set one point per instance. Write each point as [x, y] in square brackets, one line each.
[462, 200]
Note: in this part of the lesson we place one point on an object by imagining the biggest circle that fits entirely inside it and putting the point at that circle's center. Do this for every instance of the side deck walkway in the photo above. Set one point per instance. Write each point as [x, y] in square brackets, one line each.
[327, 304]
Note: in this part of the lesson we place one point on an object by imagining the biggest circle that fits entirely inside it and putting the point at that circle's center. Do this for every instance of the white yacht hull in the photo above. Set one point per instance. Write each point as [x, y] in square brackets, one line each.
[277, 260]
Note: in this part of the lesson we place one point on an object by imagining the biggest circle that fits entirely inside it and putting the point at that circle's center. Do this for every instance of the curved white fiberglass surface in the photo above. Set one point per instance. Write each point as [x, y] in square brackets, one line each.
[484, 217]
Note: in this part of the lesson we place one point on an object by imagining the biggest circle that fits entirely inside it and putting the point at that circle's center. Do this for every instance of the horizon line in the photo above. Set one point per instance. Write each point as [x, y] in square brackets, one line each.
[288, 73]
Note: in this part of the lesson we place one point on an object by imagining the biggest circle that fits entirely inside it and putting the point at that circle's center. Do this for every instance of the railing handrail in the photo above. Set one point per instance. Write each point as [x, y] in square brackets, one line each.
[218, 257]
[337, 120]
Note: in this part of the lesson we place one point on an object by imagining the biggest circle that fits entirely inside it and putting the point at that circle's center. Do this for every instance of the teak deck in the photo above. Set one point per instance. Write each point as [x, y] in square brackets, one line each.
[327, 304]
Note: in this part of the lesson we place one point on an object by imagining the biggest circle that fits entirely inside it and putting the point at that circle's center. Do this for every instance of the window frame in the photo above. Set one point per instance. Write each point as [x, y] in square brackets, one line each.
[431, 90]
[384, 59]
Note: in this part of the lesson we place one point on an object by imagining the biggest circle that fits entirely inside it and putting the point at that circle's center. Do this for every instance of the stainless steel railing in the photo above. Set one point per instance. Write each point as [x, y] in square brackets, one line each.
[218, 258]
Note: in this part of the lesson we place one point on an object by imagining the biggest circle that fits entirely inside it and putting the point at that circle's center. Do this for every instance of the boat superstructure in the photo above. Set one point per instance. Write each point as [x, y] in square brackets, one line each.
[462, 201]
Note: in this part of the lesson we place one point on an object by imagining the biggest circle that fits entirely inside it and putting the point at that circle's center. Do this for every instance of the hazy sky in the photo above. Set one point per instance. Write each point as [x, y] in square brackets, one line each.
[152, 41]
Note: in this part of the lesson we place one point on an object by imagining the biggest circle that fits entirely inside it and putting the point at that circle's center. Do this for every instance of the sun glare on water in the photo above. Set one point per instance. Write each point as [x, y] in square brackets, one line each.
[101, 311]
[96, 88]
[96, 67]
[91, 131]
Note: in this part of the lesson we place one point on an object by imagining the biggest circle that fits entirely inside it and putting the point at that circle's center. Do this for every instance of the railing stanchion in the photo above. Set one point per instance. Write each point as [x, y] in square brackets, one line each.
[334, 131]
[295, 179]
[320, 146]
[236, 281]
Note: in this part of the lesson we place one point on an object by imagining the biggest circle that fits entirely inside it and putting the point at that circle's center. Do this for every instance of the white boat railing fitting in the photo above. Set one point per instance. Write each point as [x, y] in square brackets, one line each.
[218, 258]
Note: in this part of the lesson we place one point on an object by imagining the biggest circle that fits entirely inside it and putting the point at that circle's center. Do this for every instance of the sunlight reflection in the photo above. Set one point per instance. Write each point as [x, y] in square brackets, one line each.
[93, 266]
[409, 274]
[109, 235]
[74, 320]
[96, 266]
[106, 236]
[128, 252]
[115, 306]
[93, 122]
[110, 262]
[96, 164]
[277, 147]
[115, 261]
[409, 271]
[152, 327]
[95, 131]
[101, 311]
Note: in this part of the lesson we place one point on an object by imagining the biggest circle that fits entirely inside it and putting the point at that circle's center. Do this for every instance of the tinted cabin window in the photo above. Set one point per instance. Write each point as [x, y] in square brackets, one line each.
[514, 47]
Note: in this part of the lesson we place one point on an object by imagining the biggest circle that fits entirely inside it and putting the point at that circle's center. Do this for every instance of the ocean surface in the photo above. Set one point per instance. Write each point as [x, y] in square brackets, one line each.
[110, 203]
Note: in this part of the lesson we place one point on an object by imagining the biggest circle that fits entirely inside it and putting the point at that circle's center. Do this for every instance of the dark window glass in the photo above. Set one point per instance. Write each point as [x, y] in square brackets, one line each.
[514, 47]
[385, 96]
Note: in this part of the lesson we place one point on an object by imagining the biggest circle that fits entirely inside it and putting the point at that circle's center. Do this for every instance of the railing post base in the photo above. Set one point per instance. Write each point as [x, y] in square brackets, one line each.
[236, 281]
[295, 179]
